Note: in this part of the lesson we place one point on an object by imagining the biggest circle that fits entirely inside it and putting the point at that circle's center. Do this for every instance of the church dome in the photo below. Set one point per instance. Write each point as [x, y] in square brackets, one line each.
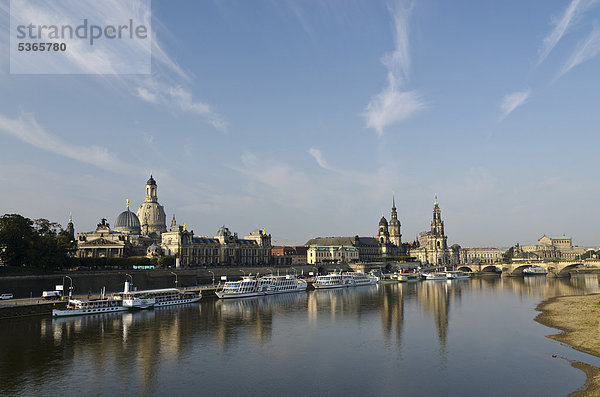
[383, 221]
[394, 222]
[151, 181]
[127, 221]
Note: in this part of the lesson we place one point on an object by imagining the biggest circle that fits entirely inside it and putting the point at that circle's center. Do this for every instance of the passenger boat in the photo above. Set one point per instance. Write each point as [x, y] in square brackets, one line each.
[267, 285]
[77, 307]
[534, 271]
[345, 279]
[457, 275]
[435, 276]
[133, 300]
[409, 277]
[165, 296]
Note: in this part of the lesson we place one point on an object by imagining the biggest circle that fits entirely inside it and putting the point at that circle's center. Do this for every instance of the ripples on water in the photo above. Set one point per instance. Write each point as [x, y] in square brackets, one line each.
[465, 337]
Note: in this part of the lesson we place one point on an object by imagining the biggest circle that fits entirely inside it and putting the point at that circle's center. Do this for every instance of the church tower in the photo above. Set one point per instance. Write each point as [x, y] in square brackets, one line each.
[383, 236]
[395, 235]
[150, 213]
[71, 228]
[437, 226]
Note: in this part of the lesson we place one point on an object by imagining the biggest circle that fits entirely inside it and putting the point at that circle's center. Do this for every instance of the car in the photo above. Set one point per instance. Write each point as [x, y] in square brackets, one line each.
[6, 296]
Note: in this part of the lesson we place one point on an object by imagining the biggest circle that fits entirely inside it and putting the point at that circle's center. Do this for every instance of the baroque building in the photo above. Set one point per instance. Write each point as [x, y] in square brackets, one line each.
[549, 248]
[225, 248]
[432, 246]
[123, 240]
[386, 243]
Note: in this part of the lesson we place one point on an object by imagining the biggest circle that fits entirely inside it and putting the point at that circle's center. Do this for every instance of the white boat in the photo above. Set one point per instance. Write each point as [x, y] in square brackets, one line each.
[163, 297]
[77, 307]
[435, 276]
[345, 279]
[534, 270]
[267, 285]
[409, 277]
[457, 275]
[131, 300]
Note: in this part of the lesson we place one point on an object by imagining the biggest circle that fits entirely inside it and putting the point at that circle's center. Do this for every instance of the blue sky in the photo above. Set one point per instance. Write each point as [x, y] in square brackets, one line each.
[304, 117]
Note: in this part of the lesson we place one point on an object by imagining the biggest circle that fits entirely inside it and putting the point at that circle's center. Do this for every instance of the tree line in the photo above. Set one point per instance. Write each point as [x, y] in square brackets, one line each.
[34, 243]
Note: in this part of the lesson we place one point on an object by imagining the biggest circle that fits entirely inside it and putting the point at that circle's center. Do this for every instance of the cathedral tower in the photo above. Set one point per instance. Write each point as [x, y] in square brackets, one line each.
[395, 235]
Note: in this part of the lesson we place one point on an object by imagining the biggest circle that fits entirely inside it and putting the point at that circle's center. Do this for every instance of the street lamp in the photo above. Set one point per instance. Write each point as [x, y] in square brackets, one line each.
[213, 278]
[70, 287]
[242, 272]
[175, 274]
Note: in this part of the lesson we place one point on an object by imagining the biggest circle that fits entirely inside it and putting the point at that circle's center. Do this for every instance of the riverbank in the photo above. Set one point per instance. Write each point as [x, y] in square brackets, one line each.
[578, 317]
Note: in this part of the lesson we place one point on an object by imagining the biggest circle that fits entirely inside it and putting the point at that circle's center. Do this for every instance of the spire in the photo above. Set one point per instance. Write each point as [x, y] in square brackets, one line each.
[436, 201]
[393, 201]
[70, 217]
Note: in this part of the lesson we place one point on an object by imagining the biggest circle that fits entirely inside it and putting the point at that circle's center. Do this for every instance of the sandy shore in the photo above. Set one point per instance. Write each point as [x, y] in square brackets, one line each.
[578, 317]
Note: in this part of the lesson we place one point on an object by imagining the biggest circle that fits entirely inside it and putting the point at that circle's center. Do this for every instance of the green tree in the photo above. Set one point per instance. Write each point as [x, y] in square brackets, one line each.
[17, 236]
[508, 255]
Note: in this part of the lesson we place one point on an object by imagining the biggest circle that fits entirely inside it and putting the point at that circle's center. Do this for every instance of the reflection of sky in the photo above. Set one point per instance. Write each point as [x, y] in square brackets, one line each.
[425, 338]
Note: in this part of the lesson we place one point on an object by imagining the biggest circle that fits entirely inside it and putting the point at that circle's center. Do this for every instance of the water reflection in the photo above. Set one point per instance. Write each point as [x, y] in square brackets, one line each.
[131, 352]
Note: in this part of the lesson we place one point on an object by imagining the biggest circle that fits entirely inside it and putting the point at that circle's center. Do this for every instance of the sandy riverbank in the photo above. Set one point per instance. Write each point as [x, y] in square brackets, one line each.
[578, 317]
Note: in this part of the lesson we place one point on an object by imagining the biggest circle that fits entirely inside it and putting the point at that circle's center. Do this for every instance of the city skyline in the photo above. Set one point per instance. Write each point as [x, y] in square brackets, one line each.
[306, 118]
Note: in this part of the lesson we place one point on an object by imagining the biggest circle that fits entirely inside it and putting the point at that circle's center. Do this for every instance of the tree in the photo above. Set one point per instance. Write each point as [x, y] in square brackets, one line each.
[508, 255]
[24, 242]
[16, 240]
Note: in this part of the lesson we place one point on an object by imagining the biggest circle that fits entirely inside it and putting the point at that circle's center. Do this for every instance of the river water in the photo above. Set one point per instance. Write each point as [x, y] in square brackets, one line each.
[448, 338]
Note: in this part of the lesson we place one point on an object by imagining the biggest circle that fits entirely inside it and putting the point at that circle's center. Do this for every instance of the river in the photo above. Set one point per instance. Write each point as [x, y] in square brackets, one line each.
[434, 338]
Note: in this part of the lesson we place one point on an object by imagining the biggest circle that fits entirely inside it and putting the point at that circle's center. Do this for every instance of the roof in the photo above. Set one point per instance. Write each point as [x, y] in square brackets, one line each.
[346, 241]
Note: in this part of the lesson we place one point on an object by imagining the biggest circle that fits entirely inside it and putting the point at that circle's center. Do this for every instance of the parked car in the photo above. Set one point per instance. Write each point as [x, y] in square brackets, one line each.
[6, 296]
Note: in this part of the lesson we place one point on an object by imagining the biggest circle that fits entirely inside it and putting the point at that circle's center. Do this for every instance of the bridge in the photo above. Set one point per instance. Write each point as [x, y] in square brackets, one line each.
[555, 269]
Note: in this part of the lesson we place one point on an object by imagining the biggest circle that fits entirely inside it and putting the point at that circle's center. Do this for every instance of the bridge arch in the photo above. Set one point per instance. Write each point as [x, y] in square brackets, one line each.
[565, 270]
[465, 269]
[518, 271]
[491, 269]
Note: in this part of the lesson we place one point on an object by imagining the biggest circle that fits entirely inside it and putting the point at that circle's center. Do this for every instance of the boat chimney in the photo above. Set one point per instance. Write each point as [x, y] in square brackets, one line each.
[126, 289]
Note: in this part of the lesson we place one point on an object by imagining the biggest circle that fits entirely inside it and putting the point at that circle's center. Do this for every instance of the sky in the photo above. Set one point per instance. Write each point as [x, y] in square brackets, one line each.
[306, 117]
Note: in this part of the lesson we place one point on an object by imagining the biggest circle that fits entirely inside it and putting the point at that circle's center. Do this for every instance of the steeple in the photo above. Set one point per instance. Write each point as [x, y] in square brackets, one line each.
[395, 235]
[70, 228]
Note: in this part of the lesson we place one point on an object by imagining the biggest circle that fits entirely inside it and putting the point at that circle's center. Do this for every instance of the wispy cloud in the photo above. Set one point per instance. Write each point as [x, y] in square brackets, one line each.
[27, 129]
[392, 104]
[513, 101]
[574, 10]
[178, 99]
[318, 156]
[586, 50]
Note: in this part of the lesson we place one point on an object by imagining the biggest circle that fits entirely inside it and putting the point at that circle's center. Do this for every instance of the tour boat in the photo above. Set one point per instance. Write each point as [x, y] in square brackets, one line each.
[132, 300]
[267, 285]
[435, 276]
[346, 279]
[409, 277]
[164, 297]
[77, 307]
[534, 271]
[457, 275]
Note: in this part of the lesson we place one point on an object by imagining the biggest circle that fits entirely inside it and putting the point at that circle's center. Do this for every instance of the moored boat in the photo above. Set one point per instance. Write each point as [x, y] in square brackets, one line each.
[534, 271]
[409, 277]
[457, 275]
[266, 285]
[164, 296]
[388, 278]
[345, 279]
[76, 307]
[435, 276]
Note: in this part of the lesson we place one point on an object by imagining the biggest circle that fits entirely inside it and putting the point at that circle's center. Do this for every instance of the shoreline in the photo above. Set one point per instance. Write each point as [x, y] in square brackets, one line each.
[577, 318]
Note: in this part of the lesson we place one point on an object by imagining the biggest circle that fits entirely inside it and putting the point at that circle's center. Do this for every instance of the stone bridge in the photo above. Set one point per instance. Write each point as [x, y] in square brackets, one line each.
[555, 269]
